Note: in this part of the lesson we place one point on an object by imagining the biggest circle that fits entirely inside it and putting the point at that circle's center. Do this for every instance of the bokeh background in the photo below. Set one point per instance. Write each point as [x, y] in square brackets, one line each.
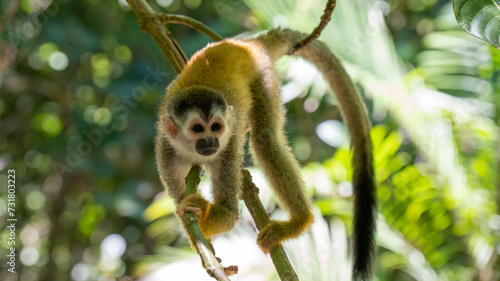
[80, 85]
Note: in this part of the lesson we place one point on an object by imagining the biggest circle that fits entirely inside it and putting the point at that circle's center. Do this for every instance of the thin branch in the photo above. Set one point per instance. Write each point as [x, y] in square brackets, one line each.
[325, 18]
[184, 20]
[210, 262]
[193, 180]
[149, 21]
[259, 215]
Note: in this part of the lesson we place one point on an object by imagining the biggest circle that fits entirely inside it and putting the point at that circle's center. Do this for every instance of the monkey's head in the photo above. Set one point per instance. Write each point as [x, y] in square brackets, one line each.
[198, 122]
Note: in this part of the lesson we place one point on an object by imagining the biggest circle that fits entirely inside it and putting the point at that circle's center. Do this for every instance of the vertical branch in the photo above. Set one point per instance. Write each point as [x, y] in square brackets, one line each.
[210, 262]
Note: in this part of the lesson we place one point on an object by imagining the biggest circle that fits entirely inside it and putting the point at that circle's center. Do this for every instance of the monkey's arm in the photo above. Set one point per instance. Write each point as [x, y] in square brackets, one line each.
[214, 218]
[226, 185]
[172, 172]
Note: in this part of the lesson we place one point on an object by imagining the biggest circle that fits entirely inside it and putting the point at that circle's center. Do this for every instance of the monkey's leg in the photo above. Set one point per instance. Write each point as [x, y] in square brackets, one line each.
[270, 149]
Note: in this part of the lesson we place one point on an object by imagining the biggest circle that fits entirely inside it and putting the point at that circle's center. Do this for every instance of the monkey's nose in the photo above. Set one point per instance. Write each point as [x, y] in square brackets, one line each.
[207, 146]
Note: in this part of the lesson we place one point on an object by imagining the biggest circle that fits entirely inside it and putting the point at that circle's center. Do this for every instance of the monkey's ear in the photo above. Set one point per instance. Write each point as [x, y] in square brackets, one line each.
[169, 126]
[230, 114]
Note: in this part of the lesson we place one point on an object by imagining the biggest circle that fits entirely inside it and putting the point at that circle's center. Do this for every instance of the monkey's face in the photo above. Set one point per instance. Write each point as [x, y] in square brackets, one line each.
[199, 136]
[206, 135]
[198, 123]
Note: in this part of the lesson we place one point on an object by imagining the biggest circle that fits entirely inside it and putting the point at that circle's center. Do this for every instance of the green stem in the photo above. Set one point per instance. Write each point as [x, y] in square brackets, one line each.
[259, 215]
[197, 25]
[213, 267]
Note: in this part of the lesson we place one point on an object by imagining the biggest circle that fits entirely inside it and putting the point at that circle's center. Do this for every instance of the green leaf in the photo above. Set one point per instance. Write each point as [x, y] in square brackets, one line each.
[480, 18]
[162, 206]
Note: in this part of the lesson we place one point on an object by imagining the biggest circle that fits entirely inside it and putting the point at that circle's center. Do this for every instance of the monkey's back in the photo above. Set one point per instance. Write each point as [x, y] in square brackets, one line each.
[228, 66]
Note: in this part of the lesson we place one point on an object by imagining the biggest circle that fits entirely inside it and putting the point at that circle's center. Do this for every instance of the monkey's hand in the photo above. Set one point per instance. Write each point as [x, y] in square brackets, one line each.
[195, 204]
[212, 218]
[277, 231]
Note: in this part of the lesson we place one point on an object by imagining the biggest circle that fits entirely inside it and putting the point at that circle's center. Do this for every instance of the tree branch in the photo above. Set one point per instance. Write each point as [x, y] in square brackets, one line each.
[184, 20]
[327, 14]
[150, 22]
[210, 262]
[259, 215]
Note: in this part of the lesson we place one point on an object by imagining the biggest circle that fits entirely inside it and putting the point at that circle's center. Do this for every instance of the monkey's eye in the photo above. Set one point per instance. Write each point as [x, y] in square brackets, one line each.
[216, 126]
[197, 128]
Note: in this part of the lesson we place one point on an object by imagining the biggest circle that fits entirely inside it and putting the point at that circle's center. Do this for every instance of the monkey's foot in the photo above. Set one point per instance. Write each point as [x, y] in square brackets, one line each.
[277, 231]
[271, 236]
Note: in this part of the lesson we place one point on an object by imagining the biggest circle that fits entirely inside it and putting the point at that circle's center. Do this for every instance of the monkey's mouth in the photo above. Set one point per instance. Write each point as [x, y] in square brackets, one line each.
[207, 146]
[208, 151]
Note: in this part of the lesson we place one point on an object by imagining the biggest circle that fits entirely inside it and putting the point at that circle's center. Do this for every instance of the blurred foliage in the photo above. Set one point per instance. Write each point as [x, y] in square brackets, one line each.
[79, 86]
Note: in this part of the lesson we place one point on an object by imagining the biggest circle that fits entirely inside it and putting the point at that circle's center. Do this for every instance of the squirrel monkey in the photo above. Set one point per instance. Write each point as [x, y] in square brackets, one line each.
[230, 87]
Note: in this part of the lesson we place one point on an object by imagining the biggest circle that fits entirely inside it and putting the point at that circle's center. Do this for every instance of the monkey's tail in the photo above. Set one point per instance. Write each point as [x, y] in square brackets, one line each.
[355, 115]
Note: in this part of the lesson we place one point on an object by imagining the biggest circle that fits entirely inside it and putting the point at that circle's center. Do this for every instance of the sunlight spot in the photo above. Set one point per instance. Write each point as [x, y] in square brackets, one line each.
[80, 272]
[58, 60]
[122, 54]
[29, 256]
[113, 246]
[345, 189]
[332, 132]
